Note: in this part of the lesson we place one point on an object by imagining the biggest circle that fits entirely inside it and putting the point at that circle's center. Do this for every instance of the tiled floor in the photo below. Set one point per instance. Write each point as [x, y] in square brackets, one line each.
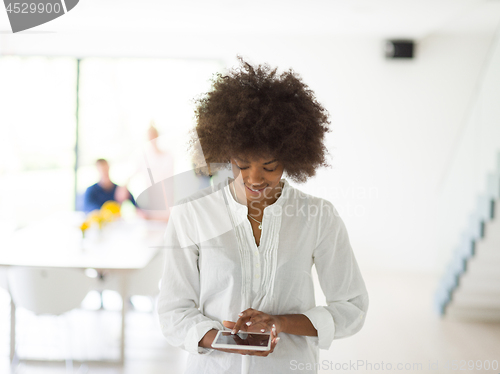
[401, 328]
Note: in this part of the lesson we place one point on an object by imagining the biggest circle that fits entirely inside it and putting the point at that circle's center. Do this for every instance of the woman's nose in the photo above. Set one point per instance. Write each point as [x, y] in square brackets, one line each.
[255, 177]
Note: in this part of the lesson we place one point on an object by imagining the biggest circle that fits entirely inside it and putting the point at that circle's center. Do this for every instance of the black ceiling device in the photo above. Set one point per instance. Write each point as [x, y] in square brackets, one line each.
[399, 49]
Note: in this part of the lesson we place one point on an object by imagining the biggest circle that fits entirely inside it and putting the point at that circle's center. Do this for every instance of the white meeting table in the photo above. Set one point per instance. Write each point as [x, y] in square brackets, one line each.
[120, 248]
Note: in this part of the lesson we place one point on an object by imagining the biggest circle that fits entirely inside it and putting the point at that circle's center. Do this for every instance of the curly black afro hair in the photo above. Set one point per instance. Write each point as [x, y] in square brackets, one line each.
[255, 111]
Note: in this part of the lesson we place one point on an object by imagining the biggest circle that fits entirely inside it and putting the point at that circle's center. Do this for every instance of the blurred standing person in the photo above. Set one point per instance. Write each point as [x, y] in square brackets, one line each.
[156, 167]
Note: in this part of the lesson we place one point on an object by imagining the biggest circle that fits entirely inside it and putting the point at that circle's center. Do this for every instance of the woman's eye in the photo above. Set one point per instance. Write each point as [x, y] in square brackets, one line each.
[247, 168]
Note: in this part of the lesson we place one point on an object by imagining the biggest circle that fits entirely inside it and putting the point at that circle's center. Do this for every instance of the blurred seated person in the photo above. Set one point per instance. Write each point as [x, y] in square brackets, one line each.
[104, 190]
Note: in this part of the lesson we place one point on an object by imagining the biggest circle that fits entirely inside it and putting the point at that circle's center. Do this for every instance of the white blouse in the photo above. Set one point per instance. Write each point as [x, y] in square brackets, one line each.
[214, 270]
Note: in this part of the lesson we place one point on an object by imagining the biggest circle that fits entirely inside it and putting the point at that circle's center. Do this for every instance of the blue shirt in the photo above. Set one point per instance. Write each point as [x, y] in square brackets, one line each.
[96, 196]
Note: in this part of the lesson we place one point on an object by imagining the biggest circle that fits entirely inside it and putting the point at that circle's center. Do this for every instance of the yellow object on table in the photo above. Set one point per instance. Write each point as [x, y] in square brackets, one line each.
[109, 211]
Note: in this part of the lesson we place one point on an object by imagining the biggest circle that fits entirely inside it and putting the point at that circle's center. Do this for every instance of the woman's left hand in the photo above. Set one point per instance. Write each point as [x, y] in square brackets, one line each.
[252, 320]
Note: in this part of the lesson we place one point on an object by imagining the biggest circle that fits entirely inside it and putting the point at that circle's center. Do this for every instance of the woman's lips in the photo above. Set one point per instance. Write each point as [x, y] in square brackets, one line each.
[255, 192]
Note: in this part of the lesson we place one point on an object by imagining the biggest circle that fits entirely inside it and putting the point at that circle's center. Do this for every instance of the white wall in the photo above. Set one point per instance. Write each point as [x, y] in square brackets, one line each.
[474, 156]
[393, 122]
[393, 128]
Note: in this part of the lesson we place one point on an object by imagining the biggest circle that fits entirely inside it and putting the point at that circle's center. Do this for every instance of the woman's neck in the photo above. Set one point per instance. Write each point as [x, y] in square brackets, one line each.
[256, 207]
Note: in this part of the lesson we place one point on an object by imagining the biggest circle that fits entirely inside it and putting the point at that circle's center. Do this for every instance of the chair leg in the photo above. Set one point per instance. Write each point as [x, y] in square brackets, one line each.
[13, 356]
[68, 354]
[69, 365]
[12, 329]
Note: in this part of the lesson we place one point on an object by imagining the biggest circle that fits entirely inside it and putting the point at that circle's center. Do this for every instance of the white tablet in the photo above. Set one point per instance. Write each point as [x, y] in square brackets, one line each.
[255, 341]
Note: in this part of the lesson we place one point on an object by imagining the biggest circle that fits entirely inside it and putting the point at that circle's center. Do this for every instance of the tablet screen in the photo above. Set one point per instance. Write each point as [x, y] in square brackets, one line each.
[243, 338]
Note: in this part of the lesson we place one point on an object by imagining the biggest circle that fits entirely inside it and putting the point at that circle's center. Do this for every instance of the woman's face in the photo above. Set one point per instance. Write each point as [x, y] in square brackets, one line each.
[259, 178]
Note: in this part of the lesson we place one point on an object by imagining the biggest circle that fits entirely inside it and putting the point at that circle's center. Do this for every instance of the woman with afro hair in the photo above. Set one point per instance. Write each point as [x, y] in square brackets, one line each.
[239, 254]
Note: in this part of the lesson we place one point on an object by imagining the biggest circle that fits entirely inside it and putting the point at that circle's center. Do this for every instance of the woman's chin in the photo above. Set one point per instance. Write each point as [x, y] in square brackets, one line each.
[251, 196]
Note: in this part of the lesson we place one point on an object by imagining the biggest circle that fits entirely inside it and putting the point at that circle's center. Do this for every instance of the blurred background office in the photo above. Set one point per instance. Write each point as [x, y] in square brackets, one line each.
[415, 144]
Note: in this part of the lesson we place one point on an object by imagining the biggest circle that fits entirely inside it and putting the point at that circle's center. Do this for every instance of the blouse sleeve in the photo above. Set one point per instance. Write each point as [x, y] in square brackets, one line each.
[181, 321]
[341, 282]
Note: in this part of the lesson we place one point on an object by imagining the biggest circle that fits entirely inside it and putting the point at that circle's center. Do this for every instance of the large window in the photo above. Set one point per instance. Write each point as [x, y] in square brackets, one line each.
[118, 98]
[37, 137]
